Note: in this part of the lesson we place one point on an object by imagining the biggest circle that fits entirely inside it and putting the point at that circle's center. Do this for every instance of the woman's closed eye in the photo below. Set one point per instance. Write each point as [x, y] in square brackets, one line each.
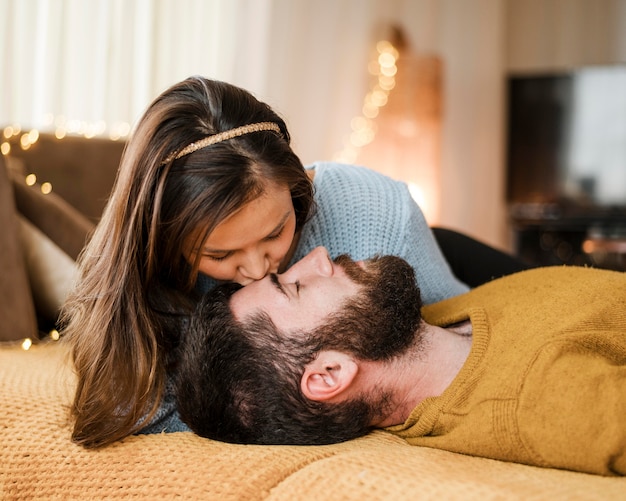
[218, 257]
[275, 235]
[221, 256]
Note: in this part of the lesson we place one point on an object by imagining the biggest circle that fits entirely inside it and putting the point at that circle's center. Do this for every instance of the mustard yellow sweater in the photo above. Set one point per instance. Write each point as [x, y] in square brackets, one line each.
[545, 381]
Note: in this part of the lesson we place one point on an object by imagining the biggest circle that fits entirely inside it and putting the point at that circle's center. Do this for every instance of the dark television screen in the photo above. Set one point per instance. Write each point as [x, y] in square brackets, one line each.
[566, 144]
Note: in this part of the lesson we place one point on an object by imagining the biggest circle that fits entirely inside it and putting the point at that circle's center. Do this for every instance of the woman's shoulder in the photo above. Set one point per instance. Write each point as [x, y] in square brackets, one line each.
[343, 170]
[359, 211]
[337, 179]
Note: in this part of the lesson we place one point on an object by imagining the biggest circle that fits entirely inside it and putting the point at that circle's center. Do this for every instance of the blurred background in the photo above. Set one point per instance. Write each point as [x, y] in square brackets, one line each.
[418, 89]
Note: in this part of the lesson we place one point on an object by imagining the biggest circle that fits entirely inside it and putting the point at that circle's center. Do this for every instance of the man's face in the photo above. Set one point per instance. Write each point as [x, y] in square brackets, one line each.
[302, 297]
[369, 308]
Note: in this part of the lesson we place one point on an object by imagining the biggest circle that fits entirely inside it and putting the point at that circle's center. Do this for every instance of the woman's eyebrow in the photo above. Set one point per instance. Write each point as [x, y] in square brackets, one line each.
[277, 284]
[281, 223]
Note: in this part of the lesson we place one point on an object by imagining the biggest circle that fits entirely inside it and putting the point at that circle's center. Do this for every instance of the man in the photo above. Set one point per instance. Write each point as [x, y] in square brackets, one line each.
[529, 368]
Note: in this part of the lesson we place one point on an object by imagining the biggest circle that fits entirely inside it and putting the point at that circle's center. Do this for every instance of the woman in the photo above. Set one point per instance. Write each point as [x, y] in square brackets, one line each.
[208, 191]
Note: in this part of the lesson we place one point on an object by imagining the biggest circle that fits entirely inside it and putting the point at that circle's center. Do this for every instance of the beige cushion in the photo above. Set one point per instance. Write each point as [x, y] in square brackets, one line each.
[17, 312]
[51, 272]
[53, 216]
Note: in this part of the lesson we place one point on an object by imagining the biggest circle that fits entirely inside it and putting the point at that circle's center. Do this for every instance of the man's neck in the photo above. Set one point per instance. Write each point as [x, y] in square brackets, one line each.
[425, 370]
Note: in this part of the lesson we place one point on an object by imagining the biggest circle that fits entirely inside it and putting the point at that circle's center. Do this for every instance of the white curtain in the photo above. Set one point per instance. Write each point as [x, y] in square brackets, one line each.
[102, 61]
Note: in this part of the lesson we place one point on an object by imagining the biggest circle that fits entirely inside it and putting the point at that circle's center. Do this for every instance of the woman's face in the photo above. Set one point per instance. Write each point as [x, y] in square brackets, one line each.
[252, 242]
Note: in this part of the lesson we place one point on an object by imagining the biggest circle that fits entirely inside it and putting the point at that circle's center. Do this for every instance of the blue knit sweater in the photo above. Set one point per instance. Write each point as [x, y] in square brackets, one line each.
[361, 213]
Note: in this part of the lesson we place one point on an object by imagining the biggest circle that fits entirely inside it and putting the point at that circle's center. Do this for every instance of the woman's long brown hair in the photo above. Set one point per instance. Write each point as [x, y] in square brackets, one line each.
[123, 317]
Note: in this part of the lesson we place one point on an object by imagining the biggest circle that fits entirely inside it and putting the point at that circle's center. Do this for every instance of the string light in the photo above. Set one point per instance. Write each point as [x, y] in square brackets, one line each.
[383, 68]
[397, 132]
[62, 128]
[27, 343]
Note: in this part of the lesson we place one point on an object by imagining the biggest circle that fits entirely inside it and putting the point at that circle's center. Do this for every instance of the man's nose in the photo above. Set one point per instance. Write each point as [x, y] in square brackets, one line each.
[315, 262]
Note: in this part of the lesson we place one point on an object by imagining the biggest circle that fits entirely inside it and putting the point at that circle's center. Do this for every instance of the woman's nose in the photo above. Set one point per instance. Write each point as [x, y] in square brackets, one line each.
[255, 267]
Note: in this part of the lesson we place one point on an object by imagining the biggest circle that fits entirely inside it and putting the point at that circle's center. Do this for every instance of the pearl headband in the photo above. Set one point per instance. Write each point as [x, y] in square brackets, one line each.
[223, 136]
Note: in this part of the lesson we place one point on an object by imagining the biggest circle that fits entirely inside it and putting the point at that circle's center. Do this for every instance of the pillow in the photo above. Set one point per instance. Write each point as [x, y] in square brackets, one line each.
[51, 272]
[53, 216]
[17, 309]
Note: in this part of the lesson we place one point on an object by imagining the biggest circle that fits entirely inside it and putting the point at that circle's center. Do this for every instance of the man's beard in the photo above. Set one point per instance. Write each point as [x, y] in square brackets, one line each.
[383, 320]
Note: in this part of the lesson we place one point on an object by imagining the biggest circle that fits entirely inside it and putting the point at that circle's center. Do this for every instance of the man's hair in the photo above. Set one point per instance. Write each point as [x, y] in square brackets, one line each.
[240, 382]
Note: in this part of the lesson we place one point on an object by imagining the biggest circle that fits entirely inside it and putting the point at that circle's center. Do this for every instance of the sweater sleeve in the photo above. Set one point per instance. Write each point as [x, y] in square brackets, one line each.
[363, 213]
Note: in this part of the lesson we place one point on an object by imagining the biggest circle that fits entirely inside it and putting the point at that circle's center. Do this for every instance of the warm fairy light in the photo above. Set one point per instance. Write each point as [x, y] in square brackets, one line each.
[75, 127]
[386, 60]
[89, 132]
[384, 46]
[386, 82]
[358, 123]
[62, 127]
[11, 130]
[389, 71]
[94, 129]
[29, 138]
[27, 343]
[378, 97]
[369, 110]
[25, 141]
[119, 131]
[54, 335]
[383, 67]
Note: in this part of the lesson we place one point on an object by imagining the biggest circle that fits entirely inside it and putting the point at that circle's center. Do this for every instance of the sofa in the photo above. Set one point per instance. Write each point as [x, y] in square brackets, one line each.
[40, 239]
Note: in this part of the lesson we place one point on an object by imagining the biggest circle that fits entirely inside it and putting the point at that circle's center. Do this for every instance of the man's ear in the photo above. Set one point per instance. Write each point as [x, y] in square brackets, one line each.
[329, 375]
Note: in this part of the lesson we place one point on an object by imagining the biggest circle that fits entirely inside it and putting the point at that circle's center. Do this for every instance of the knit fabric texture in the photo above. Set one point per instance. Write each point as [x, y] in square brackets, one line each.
[38, 460]
[545, 381]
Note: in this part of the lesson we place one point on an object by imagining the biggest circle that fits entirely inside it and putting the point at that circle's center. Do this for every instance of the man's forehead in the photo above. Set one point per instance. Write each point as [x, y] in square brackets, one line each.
[246, 299]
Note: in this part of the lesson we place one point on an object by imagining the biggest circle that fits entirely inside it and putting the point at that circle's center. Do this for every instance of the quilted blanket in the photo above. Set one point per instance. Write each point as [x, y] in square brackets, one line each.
[38, 460]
